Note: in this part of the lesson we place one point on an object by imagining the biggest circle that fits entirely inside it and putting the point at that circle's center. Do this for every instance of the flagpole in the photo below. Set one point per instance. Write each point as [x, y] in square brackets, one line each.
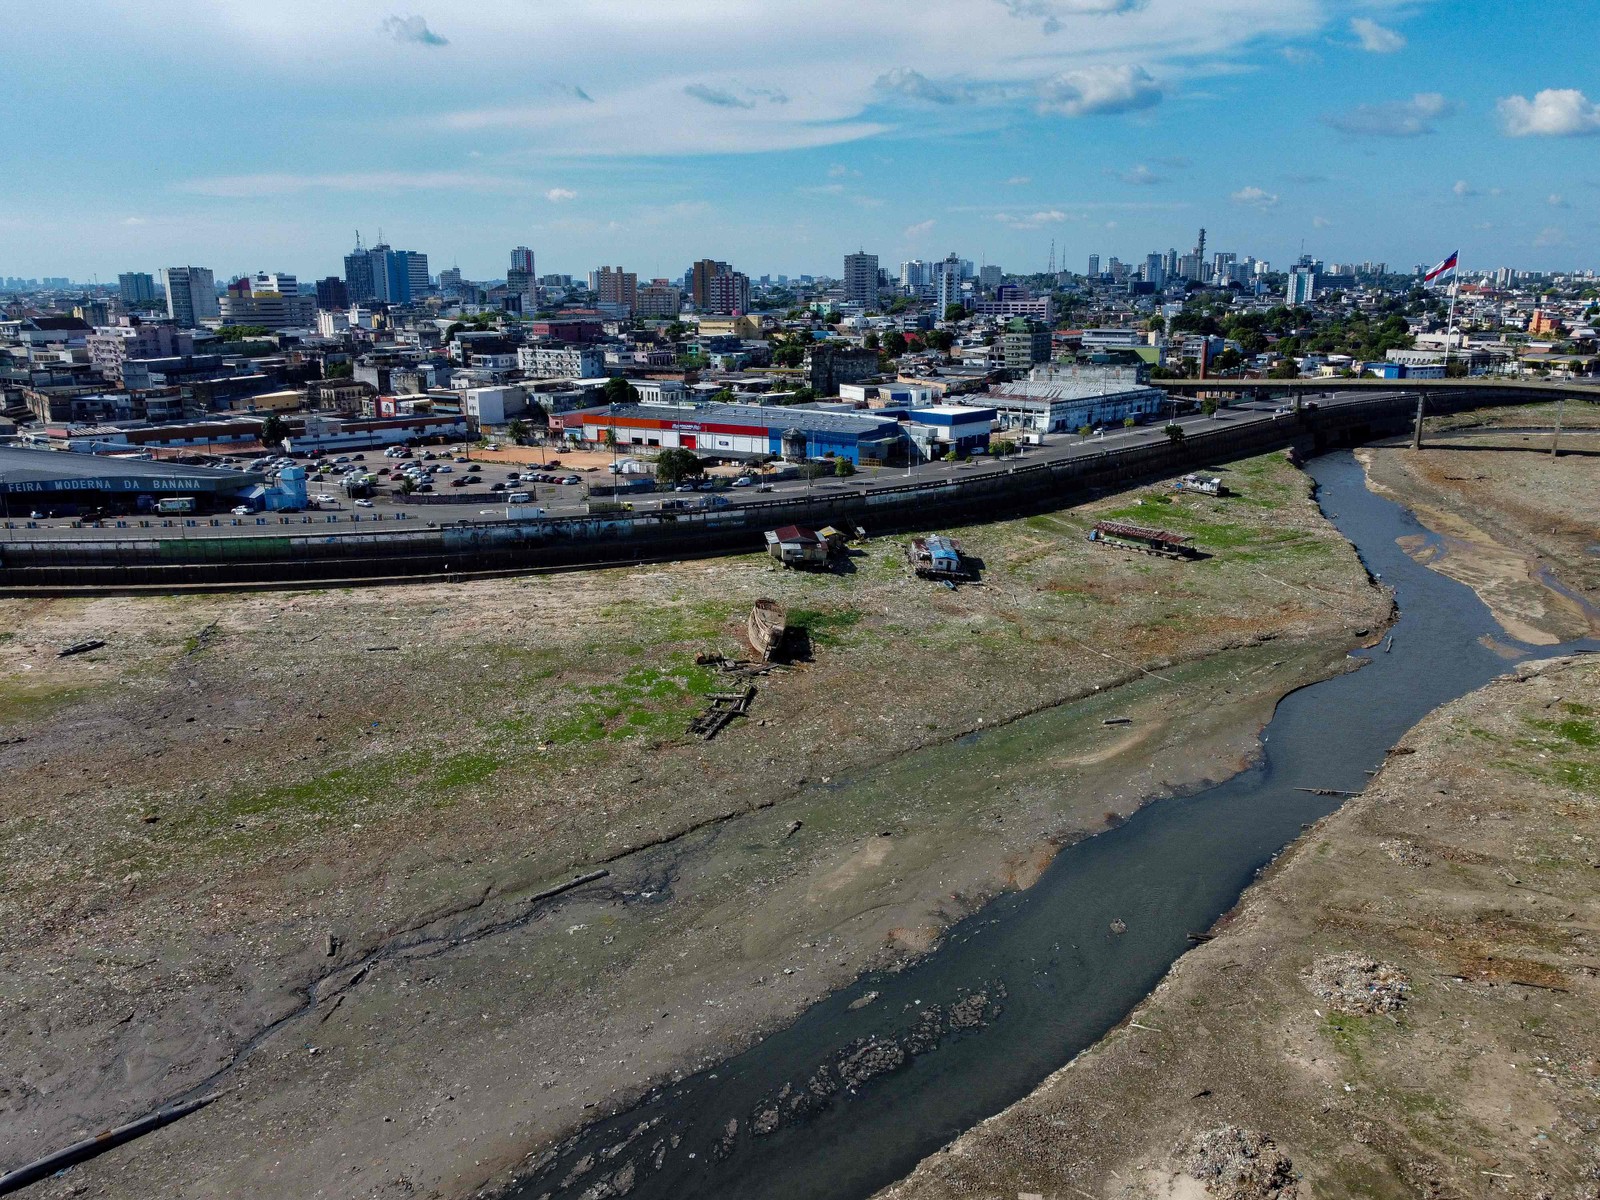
[1450, 329]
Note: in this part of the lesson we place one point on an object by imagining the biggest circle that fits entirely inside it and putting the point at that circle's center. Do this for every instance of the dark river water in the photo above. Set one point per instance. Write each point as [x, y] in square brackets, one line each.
[848, 1099]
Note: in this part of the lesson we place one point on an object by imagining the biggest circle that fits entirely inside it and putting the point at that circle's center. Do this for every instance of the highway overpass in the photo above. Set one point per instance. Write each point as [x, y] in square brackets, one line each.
[1512, 391]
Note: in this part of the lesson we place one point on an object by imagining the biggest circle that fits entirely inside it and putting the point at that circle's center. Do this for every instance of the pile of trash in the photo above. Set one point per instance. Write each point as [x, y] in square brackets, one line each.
[1355, 983]
[1239, 1164]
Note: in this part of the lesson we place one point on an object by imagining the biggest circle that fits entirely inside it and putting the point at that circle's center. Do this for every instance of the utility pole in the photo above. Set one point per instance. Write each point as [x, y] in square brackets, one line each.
[1416, 435]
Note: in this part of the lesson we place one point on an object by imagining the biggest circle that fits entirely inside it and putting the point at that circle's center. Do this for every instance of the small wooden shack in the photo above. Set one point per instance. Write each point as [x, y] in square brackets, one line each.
[794, 546]
[937, 557]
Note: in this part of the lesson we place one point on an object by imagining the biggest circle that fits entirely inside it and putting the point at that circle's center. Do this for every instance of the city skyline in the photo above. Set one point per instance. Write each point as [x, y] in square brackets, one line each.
[1376, 131]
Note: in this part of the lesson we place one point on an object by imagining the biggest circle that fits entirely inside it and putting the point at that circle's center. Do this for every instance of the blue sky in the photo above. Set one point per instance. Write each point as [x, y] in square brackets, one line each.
[781, 136]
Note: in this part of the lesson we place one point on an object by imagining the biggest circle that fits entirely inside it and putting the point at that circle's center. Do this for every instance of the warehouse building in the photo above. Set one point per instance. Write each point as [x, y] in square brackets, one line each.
[50, 480]
[745, 431]
[1061, 399]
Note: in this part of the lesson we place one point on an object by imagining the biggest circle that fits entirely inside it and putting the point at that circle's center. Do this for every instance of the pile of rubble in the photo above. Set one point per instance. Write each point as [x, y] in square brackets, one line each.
[1239, 1164]
[1355, 983]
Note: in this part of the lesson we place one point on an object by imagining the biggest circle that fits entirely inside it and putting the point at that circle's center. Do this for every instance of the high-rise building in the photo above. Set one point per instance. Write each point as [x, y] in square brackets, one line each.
[275, 281]
[137, 288]
[1155, 269]
[519, 283]
[947, 283]
[191, 295]
[729, 293]
[913, 274]
[718, 288]
[332, 293]
[659, 299]
[990, 276]
[613, 285]
[699, 277]
[522, 260]
[243, 304]
[861, 278]
[383, 273]
[450, 280]
[1094, 266]
[1302, 288]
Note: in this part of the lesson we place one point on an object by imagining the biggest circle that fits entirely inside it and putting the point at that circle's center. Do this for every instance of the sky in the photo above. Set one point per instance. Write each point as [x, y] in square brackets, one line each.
[781, 136]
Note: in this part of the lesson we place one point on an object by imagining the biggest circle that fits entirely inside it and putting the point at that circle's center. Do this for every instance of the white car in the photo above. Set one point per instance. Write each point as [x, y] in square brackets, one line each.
[363, 503]
[243, 510]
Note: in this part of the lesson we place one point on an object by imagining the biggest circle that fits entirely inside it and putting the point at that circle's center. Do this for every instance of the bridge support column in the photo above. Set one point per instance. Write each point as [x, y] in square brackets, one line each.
[1416, 434]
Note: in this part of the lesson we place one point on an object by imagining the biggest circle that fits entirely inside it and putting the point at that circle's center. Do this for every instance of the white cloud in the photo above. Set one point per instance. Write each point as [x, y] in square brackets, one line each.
[1375, 38]
[413, 30]
[905, 84]
[284, 183]
[557, 194]
[918, 231]
[135, 221]
[1139, 176]
[1034, 220]
[1097, 91]
[1463, 189]
[1321, 223]
[1255, 197]
[1556, 200]
[1397, 119]
[1019, 180]
[1554, 112]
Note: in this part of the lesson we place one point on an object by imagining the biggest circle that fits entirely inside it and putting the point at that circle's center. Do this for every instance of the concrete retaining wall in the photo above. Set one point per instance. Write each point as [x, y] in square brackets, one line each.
[294, 555]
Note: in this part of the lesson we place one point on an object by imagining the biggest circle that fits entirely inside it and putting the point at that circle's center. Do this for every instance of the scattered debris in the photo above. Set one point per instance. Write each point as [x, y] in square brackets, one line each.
[379, 649]
[794, 828]
[1118, 926]
[1355, 983]
[1239, 1164]
[1117, 721]
[862, 1001]
[1210, 485]
[1326, 791]
[81, 647]
[724, 707]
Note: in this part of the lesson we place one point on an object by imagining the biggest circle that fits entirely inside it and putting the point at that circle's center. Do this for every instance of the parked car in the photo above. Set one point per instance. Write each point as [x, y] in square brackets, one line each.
[462, 482]
[572, 479]
[363, 503]
[743, 481]
[684, 487]
[497, 487]
[242, 510]
[474, 468]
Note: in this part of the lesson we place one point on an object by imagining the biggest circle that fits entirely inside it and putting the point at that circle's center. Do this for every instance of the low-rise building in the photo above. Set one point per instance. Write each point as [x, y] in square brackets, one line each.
[561, 361]
[1061, 399]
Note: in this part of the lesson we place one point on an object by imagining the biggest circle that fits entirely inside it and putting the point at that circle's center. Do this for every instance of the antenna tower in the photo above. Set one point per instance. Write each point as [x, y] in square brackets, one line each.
[1052, 256]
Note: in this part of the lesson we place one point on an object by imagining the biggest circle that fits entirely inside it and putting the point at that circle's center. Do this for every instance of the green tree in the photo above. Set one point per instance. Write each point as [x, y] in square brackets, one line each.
[722, 396]
[273, 430]
[895, 343]
[674, 466]
[1002, 448]
[342, 370]
[1129, 422]
[1083, 432]
[1157, 324]
[1174, 433]
[940, 339]
[1209, 406]
[1286, 369]
[407, 485]
[517, 430]
[619, 391]
[804, 395]
[954, 312]
[843, 468]
[871, 340]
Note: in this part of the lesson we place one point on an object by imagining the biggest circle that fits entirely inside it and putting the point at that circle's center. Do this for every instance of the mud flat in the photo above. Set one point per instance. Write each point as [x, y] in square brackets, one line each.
[1403, 1006]
[300, 847]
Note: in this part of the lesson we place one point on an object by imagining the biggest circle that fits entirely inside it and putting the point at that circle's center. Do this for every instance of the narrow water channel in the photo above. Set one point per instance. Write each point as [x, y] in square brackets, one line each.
[872, 1079]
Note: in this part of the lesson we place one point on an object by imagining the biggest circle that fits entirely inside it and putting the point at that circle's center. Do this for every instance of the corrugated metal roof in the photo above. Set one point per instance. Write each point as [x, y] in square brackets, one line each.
[771, 417]
[19, 465]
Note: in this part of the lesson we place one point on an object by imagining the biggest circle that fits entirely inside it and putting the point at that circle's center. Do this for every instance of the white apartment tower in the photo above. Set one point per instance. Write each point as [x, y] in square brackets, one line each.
[191, 295]
[861, 278]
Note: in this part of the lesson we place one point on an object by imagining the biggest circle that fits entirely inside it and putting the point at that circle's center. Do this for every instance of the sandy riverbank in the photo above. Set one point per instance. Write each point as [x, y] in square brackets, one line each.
[192, 814]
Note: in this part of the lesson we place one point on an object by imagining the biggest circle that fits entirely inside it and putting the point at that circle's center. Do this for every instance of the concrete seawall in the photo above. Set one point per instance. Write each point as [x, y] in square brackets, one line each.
[296, 555]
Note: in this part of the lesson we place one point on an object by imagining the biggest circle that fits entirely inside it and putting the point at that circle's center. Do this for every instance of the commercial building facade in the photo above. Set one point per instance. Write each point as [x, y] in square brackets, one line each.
[745, 431]
[191, 295]
[861, 279]
[562, 362]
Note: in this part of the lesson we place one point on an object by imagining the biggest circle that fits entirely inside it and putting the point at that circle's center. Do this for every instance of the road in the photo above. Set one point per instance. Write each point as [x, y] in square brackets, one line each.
[395, 512]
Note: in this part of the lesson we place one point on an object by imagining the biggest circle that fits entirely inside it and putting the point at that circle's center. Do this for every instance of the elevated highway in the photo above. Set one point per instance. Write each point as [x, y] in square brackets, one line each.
[1485, 391]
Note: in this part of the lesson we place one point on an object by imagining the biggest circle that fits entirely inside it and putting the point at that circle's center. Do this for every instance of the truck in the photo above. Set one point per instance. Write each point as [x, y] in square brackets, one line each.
[175, 506]
[524, 512]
